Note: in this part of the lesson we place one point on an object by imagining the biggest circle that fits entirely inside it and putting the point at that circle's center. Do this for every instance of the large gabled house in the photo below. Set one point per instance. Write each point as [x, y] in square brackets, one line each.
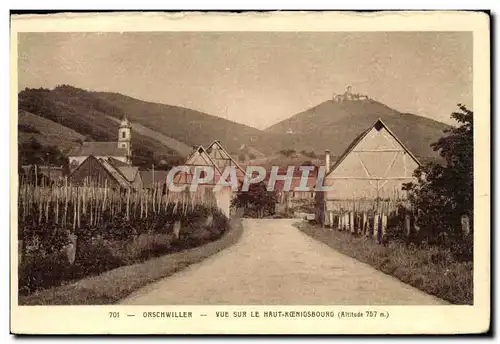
[370, 173]
[223, 159]
[99, 172]
[198, 163]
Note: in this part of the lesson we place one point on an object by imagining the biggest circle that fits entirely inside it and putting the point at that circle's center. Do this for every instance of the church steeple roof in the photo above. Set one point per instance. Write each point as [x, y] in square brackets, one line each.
[125, 123]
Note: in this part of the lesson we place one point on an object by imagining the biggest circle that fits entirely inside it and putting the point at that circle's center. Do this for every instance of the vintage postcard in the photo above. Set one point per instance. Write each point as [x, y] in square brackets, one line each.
[250, 173]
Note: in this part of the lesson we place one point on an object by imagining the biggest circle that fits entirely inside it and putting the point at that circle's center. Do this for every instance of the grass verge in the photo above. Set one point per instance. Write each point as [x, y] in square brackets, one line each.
[114, 285]
[430, 269]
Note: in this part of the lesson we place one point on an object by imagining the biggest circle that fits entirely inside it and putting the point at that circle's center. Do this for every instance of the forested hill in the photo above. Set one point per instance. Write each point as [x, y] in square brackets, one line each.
[334, 125]
[168, 132]
[88, 113]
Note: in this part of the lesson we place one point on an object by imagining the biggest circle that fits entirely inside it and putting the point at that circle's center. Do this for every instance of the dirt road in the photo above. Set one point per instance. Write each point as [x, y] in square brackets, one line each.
[275, 263]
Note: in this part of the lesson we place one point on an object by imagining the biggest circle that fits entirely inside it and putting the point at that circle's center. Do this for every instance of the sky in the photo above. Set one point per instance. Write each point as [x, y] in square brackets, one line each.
[258, 78]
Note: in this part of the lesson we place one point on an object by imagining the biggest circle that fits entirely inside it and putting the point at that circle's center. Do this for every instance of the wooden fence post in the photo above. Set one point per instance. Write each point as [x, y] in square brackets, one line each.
[375, 227]
[407, 225]
[20, 252]
[322, 215]
[351, 222]
[364, 230]
[177, 229]
[331, 219]
[71, 248]
[384, 224]
[465, 224]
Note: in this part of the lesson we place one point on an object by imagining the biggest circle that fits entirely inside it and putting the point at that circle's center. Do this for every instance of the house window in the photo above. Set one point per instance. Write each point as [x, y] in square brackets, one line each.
[124, 134]
[203, 174]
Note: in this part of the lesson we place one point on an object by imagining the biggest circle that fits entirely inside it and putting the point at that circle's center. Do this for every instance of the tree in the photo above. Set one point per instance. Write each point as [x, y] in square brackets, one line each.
[443, 193]
[310, 154]
[287, 152]
[33, 152]
[165, 162]
[257, 201]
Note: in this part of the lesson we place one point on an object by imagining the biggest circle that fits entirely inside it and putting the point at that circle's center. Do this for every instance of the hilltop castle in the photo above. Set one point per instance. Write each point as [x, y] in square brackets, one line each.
[348, 95]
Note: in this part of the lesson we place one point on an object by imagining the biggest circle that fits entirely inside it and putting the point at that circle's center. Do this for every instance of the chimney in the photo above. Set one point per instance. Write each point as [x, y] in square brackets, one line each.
[327, 160]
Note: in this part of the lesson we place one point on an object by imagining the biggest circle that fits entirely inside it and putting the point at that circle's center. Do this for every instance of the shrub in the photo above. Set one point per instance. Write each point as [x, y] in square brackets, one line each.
[92, 258]
[40, 273]
[26, 128]
[115, 243]
[196, 231]
[140, 247]
[124, 228]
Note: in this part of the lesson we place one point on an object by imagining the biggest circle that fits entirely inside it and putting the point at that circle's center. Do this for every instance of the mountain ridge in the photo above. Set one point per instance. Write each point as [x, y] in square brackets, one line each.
[170, 130]
[333, 125]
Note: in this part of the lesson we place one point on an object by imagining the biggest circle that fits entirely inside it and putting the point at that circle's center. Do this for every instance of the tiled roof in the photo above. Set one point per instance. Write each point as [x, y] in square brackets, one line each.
[311, 183]
[98, 149]
[182, 177]
[129, 172]
[116, 174]
[116, 162]
[297, 172]
[160, 177]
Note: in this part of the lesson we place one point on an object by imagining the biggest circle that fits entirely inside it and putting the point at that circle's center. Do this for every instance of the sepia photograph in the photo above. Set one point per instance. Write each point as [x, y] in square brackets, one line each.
[330, 172]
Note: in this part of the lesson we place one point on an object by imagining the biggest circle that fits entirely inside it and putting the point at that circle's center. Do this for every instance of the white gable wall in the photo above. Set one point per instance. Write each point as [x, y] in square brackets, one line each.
[199, 159]
[222, 196]
[377, 167]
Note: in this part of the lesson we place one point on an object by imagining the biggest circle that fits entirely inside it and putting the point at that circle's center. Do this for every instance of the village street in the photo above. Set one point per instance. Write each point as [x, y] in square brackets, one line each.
[274, 263]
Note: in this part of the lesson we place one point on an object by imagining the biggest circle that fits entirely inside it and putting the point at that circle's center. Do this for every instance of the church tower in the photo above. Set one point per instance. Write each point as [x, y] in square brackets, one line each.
[124, 138]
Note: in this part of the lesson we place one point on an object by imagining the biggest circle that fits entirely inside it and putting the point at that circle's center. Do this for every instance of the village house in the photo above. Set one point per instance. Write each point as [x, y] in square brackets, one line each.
[199, 158]
[295, 200]
[222, 159]
[154, 179]
[368, 176]
[101, 172]
[132, 175]
[120, 150]
[47, 173]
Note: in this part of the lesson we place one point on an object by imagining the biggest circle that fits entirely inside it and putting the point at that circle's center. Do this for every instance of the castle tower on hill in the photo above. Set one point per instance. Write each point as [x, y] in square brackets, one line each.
[348, 95]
